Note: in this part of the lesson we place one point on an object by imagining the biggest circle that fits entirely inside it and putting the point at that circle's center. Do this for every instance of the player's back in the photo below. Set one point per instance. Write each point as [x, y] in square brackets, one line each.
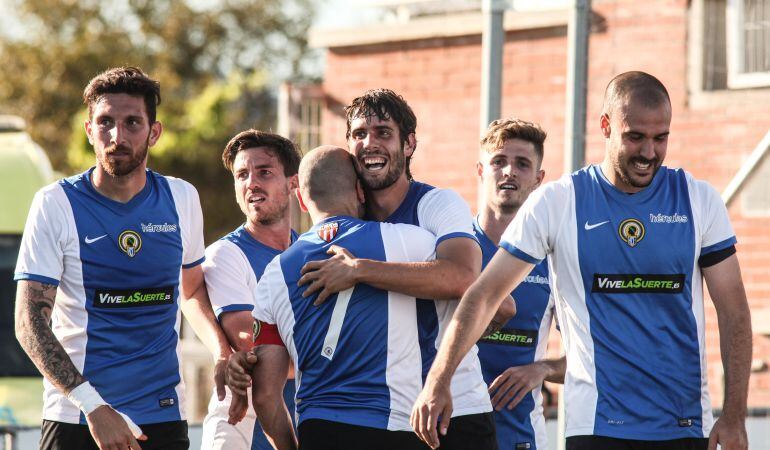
[356, 355]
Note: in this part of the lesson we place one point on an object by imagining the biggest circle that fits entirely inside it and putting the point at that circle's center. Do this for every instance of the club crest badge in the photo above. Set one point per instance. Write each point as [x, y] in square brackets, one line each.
[256, 331]
[130, 242]
[328, 231]
[631, 231]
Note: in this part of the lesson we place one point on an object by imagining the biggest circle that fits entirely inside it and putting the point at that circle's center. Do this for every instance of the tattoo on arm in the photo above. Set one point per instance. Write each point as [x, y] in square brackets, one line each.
[34, 305]
[494, 326]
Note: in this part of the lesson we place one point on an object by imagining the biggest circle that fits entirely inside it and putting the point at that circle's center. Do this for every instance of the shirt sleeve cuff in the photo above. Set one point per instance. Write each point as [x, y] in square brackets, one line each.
[194, 263]
[19, 276]
[518, 253]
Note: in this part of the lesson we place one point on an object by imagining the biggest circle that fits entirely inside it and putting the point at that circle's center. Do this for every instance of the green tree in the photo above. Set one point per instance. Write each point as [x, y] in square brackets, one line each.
[216, 65]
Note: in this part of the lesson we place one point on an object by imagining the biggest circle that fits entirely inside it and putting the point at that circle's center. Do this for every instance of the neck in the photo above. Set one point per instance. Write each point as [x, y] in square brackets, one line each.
[121, 189]
[494, 222]
[612, 177]
[380, 204]
[350, 210]
[276, 235]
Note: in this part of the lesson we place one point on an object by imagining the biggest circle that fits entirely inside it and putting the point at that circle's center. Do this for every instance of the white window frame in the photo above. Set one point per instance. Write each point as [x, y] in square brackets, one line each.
[735, 53]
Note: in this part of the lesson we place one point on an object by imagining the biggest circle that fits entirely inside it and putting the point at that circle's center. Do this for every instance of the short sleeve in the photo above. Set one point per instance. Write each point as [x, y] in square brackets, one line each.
[41, 256]
[407, 243]
[229, 279]
[531, 234]
[269, 287]
[445, 214]
[716, 231]
[188, 208]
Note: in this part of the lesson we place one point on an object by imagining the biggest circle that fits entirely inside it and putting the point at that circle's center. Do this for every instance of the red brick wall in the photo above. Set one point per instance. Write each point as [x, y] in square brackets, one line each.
[440, 80]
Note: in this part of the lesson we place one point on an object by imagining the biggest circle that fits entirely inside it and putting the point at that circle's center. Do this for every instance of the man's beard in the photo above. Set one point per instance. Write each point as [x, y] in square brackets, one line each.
[119, 168]
[623, 170]
[276, 212]
[395, 169]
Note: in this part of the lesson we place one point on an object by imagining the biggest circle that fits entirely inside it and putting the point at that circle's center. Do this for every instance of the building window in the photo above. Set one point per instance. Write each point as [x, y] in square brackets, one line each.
[748, 43]
[308, 133]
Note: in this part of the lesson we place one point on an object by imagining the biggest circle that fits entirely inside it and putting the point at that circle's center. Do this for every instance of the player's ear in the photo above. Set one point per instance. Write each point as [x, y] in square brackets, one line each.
[293, 184]
[410, 145]
[479, 168]
[301, 202]
[155, 130]
[604, 123]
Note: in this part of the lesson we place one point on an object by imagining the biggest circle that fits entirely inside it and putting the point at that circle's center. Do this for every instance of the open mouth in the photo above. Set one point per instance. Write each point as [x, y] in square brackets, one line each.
[508, 187]
[374, 163]
[256, 199]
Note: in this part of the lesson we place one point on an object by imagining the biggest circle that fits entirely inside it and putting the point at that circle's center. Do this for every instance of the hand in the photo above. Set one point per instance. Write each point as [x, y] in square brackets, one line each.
[238, 407]
[239, 369]
[220, 376]
[514, 383]
[329, 276]
[729, 433]
[434, 401]
[110, 430]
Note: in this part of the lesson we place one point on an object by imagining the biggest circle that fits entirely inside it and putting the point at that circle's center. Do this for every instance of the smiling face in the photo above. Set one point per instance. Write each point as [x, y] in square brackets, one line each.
[637, 139]
[380, 153]
[509, 174]
[121, 133]
[261, 188]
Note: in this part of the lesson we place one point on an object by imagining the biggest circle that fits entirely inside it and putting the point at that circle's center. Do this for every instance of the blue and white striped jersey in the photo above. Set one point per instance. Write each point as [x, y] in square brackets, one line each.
[444, 213]
[117, 267]
[629, 291]
[522, 340]
[356, 356]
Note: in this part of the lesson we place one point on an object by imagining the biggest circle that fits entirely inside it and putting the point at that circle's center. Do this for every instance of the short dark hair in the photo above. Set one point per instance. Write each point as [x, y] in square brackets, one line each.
[636, 86]
[284, 149]
[502, 130]
[384, 104]
[124, 80]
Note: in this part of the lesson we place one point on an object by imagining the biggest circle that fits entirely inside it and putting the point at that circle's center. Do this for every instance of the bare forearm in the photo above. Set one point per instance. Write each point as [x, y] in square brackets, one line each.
[467, 325]
[34, 304]
[197, 310]
[735, 344]
[275, 420]
[554, 369]
[438, 279]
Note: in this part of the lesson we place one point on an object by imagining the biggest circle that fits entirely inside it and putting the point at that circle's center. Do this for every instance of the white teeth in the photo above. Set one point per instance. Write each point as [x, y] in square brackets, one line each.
[508, 186]
[642, 166]
[374, 160]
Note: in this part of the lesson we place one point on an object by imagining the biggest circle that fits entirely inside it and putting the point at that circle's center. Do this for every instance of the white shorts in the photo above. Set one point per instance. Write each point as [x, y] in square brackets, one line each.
[220, 435]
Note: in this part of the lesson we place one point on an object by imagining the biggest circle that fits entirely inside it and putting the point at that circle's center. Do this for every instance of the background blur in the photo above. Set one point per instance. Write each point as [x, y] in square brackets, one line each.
[291, 66]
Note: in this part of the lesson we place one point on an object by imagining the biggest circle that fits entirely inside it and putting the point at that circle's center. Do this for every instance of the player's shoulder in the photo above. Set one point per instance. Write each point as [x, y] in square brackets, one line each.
[222, 247]
[178, 186]
[404, 229]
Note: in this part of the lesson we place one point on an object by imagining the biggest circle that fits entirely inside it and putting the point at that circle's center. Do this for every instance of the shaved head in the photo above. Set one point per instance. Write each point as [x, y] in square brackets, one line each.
[638, 88]
[327, 178]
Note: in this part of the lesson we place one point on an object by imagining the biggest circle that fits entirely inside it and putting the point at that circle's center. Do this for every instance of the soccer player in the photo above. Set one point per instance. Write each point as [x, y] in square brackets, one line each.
[108, 256]
[630, 242]
[358, 365]
[381, 136]
[512, 359]
[264, 168]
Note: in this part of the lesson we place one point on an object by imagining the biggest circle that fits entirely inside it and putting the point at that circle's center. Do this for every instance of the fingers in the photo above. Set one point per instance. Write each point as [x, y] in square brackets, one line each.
[322, 297]
[310, 267]
[425, 420]
[219, 381]
[521, 393]
[314, 287]
[713, 441]
[446, 416]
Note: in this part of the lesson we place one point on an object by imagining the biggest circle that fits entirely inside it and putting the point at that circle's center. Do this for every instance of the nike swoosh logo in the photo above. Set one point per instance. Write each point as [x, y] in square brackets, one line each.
[592, 226]
[91, 241]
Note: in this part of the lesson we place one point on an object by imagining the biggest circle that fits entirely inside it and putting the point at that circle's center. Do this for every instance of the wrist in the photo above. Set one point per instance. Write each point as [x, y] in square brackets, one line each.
[85, 397]
[361, 269]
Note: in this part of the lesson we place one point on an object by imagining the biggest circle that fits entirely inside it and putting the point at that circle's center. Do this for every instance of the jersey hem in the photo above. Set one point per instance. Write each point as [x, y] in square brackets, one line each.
[640, 436]
[20, 276]
[478, 409]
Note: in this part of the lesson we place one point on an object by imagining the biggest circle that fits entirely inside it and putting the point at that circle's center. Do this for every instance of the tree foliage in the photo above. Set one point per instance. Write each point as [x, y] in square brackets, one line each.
[215, 59]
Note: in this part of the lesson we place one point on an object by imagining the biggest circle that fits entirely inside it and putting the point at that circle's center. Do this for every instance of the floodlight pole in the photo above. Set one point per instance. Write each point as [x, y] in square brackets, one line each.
[492, 37]
[577, 76]
[575, 122]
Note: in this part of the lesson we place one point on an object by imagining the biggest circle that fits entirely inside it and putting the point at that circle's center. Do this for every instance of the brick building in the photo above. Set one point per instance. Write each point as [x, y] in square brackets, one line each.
[719, 87]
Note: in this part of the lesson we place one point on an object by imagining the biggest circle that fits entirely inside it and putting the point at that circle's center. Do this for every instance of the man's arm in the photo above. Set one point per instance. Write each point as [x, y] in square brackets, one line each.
[197, 309]
[238, 327]
[726, 288]
[457, 264]
[269, 379]
[503, 273]
[514, 383]
[34, 305]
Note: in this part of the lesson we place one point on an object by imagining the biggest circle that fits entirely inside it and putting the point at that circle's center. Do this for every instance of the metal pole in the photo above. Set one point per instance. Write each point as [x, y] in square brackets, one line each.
[577, 76]
[492, 37]
[575, 122]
